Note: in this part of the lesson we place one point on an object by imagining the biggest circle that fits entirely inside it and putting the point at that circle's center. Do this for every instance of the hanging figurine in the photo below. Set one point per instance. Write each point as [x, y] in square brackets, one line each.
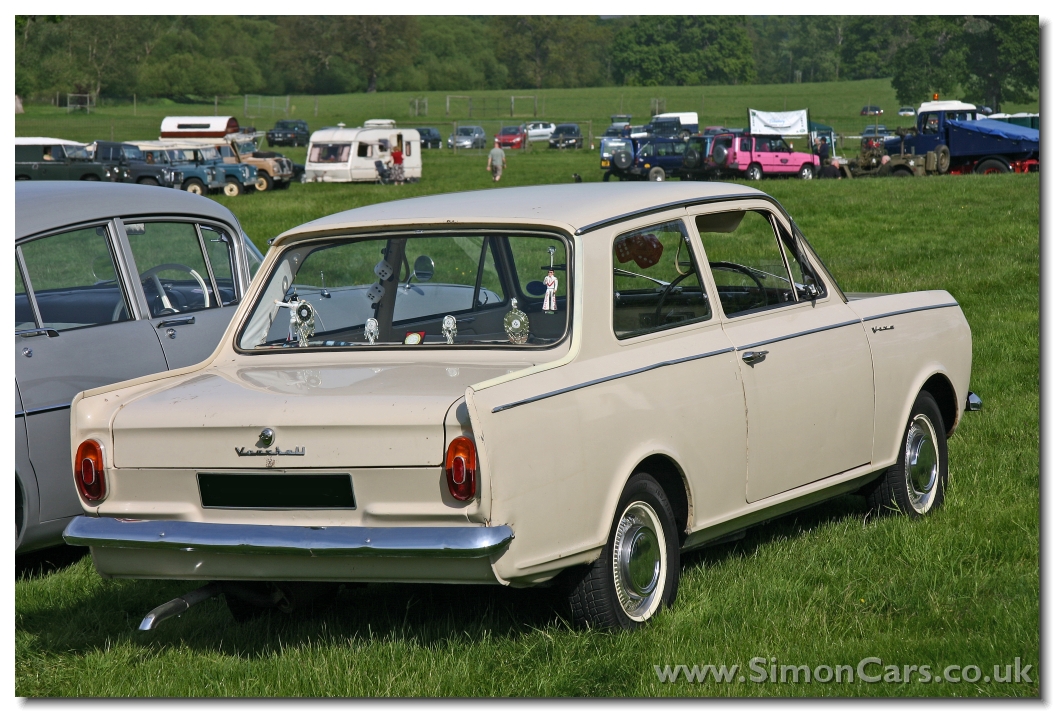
[551, 283]
[449, 328]
[373, 330]
[517, 326]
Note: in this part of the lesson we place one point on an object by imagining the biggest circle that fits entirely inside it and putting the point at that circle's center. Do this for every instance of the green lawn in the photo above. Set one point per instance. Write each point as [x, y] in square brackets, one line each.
[824, 587]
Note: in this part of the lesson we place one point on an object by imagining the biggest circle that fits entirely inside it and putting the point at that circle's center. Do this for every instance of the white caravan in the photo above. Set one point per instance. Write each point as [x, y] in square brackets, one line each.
[342, 155]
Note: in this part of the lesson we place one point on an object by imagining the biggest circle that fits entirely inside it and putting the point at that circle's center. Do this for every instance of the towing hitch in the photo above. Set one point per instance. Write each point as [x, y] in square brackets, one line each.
[177, 606]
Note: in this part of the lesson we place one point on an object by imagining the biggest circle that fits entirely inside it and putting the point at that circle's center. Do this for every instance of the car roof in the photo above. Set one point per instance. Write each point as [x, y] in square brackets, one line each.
[41, 206]
[573, 206]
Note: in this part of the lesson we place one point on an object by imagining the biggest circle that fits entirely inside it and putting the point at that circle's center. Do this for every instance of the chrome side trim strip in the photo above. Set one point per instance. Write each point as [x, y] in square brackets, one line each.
[452, 542]
[908, 311]
[817, 330]
[676, 204]
[44, 409]
[605, 379]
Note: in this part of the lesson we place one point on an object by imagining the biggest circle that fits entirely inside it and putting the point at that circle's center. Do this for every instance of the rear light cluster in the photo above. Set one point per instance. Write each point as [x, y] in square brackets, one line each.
[461, 468]
[88, 471]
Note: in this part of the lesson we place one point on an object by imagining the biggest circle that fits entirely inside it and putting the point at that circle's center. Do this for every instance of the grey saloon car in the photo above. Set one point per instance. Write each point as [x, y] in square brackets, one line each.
[112, 282]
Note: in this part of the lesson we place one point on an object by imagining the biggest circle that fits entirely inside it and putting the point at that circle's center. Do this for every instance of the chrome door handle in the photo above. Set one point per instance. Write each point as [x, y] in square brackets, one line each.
[753, 357]
[181, 321]
[26, 333]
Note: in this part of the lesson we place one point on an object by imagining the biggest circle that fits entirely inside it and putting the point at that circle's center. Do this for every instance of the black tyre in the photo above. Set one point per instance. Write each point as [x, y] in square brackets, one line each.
[915, 485]
[944, 159]
[89, 176]
[719, 155]
[807, 172]
[902, 173]
[264, 182]
[753, 172]
[656, 174]
[990, 167]
[622, 159]
[639, 569]
[148, 181]
[692, 158]
[21, 177]
[195, 186]
[232, 188]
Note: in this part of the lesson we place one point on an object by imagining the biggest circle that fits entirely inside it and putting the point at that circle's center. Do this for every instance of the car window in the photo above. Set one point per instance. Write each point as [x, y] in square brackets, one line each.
[656, 281]
[744, 144]
[930, 124]
[23, 312]
[225, 151]
[220, 248]
[646, 151]
[74, 279]
[778, 144]
[409, 285]
[745, 260]
[171, 267]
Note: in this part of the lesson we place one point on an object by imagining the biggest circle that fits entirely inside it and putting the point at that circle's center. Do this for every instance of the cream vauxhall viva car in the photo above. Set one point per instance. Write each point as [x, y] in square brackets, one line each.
[504, 387]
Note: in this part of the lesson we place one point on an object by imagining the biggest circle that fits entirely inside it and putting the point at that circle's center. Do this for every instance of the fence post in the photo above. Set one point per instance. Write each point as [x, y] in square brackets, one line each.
[316, 105]
[111, 129]
[134, 107]
[215, 105]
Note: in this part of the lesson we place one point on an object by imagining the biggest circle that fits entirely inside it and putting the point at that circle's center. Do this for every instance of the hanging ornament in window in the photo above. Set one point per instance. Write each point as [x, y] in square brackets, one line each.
[517, 326]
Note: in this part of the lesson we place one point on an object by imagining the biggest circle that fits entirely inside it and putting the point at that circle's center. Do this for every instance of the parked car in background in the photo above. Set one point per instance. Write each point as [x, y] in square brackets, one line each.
[566, 136]
[197, 175]
[289, 132]
[635, 131]
[871, 111]
[539, 130]
[688, 369]
[59, 159]
[238, 178]
[467, 137]
[875, 130]
[128, 157]
[511, 136]
[83, 319]
[696, 150]
[906, 111]
[430, 137]
[674, 125]
[754, 157]
[653, 158]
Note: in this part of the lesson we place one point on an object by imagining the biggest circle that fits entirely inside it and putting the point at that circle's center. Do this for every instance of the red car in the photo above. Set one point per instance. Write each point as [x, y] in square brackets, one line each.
[512, 137]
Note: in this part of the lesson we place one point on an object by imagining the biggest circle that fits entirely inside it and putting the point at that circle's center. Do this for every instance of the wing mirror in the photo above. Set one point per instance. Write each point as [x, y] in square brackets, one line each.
[424, 270]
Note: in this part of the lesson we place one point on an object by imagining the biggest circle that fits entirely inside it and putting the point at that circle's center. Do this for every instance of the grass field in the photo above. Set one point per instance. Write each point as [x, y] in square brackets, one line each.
[835, 103]
[826, 586]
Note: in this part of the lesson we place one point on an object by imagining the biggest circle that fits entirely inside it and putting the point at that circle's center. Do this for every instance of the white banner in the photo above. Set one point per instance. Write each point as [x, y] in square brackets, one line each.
[782, 123]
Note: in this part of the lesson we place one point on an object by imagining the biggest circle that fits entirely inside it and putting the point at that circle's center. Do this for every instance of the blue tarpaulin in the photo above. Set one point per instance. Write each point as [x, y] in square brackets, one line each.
[998, 128]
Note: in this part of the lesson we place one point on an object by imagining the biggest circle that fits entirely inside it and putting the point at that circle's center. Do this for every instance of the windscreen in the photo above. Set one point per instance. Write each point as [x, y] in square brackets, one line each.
[452, 290]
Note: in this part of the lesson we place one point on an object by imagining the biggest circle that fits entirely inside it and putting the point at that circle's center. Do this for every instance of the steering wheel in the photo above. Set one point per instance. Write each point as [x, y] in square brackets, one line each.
[666, 292]
[151, 274]
[735, 267]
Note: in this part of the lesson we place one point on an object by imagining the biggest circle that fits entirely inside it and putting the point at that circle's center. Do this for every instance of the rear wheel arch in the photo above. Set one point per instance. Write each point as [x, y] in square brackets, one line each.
[674, 483]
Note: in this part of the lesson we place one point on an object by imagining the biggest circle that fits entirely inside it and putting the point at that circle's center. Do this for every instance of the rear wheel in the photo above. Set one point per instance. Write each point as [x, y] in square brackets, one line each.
[148, 181]
[90, 176]
[656, 174]
[639, 569]
[195, 186]
[232, 188]
[264, 182]
[915, 485]
[754, 172]
[990, 167]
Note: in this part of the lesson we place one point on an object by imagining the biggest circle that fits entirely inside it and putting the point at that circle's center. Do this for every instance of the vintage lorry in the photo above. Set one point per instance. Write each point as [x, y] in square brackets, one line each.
[273, 170]
[963, 143]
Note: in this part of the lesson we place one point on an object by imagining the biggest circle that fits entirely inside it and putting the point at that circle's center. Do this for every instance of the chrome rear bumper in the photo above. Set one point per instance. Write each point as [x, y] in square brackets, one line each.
[380, 542]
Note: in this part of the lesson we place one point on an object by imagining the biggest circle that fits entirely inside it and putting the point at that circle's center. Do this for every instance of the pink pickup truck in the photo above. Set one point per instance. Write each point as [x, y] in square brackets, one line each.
[757, 156]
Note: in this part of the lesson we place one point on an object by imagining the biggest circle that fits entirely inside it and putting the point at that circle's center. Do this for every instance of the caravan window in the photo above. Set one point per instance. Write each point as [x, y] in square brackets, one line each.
[365, 150]
[330, 153]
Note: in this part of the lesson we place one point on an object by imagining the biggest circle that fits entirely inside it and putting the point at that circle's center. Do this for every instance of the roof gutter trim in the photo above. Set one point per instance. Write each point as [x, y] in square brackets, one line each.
[607, 222]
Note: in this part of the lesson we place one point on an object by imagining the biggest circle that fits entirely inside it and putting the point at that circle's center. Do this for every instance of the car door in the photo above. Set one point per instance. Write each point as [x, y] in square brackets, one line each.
[55, 165]
[76, 329]
[780, 157]
[805, 363]
[189, 298]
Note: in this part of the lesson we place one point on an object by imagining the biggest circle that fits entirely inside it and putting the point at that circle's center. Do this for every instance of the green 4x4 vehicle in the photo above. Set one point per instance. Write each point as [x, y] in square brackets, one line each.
[58, 159]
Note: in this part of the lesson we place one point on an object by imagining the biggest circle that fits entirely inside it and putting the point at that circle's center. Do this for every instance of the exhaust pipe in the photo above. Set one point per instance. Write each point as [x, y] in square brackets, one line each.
[177, 606]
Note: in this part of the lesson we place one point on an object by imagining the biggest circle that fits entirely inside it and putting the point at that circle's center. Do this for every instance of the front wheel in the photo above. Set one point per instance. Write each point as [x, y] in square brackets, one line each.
[807, 172]
[656, 174]
[915, 485]
[232, 188]
[148, 181]
[639, 569]
[754, 172]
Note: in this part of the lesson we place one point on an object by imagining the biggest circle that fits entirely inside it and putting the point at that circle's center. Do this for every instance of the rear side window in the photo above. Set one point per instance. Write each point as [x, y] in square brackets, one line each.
[656, 281]
[74, 280]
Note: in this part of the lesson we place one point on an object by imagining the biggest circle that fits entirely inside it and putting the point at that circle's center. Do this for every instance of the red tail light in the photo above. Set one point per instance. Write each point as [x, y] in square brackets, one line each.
[88, 471]
[461, 468]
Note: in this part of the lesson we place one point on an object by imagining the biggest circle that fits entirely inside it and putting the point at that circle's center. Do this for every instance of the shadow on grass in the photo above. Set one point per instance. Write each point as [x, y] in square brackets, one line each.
[108, 613]
[40, 563]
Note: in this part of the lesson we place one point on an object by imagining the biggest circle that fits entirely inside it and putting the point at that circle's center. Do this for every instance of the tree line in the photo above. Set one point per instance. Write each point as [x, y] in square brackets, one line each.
[989, 59]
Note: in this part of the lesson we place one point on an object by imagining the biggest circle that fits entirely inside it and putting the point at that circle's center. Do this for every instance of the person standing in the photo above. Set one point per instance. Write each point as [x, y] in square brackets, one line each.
[496, 161]
[397, 165]
[823, 151]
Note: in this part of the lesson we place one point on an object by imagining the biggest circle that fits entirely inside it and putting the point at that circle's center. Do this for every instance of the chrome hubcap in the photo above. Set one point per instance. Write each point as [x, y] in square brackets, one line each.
[639, 561]
[921, 463]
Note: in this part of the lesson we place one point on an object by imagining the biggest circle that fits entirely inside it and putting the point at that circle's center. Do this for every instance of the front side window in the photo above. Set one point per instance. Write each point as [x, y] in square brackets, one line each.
[171, 267]
[656, 281]
[930, 124]
[327, 294]
[23, 312]
[745, 260]
[74, 280]
[220, 249]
